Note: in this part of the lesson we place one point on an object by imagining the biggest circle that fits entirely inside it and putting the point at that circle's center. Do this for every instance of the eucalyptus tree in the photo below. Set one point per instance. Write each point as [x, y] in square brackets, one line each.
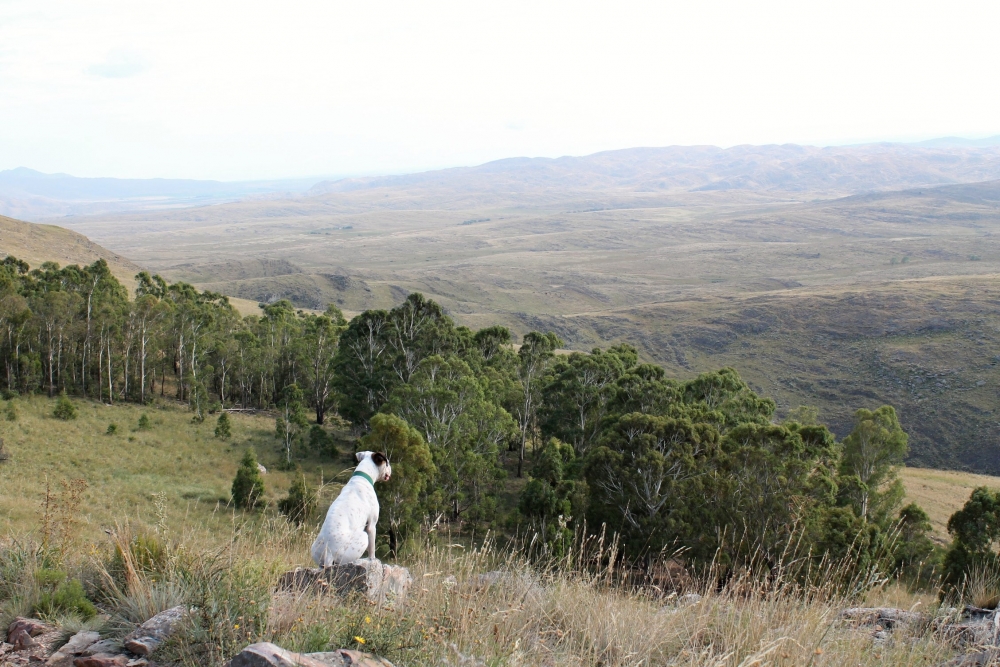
[446, 403]
[321, 334]
[363, 377]
[578, 392]
[873, 454]
[533, 357]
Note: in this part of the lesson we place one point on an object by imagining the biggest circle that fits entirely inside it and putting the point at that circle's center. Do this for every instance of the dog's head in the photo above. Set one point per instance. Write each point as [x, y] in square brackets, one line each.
[381, 463]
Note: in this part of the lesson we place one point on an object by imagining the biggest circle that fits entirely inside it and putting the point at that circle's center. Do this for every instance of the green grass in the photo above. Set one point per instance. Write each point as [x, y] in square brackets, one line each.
[177, 464]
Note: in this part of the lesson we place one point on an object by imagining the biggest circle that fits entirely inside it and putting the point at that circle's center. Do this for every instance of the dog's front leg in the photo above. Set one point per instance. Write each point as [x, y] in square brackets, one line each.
[371, 541]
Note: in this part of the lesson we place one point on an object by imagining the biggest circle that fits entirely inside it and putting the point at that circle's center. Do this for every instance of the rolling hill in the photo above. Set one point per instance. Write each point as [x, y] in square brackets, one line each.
[37, 244]
[798, 266]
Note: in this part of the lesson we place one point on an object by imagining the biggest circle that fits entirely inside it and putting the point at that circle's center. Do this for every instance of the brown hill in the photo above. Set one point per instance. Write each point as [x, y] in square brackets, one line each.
[37, 244]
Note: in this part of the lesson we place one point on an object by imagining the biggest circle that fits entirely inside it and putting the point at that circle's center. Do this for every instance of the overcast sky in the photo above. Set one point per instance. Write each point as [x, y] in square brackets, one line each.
[238, 90]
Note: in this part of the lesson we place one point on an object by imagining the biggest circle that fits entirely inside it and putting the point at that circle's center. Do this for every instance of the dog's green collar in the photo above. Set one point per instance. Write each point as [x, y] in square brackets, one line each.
[358, 473]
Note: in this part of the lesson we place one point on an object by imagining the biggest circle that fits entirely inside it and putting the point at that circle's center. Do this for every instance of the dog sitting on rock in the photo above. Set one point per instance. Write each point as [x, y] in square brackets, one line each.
[350, 522]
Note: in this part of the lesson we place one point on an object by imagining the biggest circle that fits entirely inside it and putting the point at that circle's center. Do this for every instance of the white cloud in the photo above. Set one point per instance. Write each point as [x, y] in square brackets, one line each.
[260, 89]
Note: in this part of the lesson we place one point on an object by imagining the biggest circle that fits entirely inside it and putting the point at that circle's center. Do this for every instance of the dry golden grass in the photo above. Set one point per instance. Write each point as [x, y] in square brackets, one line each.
[941, 493]
[557, 615]
[37, 244]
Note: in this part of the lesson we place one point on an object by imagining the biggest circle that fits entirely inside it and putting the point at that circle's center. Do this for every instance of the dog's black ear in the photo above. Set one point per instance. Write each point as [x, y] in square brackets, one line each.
[378, 458]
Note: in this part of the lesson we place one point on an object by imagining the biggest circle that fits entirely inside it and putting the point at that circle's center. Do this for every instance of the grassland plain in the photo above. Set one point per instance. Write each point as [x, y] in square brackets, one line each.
[839, 303]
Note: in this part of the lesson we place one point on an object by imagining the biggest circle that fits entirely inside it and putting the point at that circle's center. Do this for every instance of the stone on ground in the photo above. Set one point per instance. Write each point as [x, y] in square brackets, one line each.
[148, 636]
[76, 645]
[266, 654]
[375, 580]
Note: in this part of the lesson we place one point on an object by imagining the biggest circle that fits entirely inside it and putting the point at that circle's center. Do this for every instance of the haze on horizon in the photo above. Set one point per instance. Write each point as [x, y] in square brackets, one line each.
[254, 90]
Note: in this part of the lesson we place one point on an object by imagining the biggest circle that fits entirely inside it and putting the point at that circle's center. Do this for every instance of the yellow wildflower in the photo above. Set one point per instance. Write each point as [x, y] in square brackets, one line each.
[360, 640]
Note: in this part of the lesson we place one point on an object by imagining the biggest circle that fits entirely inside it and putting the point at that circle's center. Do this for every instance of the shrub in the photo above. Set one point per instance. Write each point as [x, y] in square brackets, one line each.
[223, 428]
[8, 394]
[144, 423]
[64, 409]
[248, 485]
[319, 441]
[60, 595]
[112, 429]
[10, 412]
[301, 501]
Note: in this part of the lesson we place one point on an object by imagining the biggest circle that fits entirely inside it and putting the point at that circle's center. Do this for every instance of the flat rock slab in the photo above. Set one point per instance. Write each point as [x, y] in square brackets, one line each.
[76, 645]
[148, 636]
[266, 654]
[108, 646]
[375, 580]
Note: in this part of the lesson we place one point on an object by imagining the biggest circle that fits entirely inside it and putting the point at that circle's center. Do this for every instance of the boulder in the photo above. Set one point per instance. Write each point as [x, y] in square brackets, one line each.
[76, 645]
[377, 581]
[148, 636]
[266, 654]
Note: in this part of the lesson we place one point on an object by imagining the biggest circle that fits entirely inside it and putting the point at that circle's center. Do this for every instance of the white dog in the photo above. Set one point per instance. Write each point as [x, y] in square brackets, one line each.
[350, 522]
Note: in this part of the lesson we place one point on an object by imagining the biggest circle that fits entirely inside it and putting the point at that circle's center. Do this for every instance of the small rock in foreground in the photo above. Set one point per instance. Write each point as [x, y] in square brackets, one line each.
[266, 654]
[102, 660]
[377, 581]
[30, 627]
[148, 636]
[76, 645]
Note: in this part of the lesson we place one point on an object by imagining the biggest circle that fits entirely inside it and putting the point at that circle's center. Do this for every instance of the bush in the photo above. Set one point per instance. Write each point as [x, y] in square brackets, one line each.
[223, 428]
[319, 441]
[10, 412]
[8, 394]
[144, 423]
[64, 409]
[112, 429]
[248, 485]
[301, 501]
[60, 595]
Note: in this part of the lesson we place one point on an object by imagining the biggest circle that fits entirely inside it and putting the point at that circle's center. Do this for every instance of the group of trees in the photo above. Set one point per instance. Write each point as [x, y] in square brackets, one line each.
[605, 440]
[75, 330]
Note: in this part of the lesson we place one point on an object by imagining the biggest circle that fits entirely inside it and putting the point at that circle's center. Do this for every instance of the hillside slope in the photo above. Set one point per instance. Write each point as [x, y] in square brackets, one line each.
[37, 244]
[193, 470]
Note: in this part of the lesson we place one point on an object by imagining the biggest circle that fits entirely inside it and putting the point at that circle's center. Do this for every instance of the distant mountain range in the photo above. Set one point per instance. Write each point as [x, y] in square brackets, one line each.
[838, 170]
[830, 171]
[29, 194]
